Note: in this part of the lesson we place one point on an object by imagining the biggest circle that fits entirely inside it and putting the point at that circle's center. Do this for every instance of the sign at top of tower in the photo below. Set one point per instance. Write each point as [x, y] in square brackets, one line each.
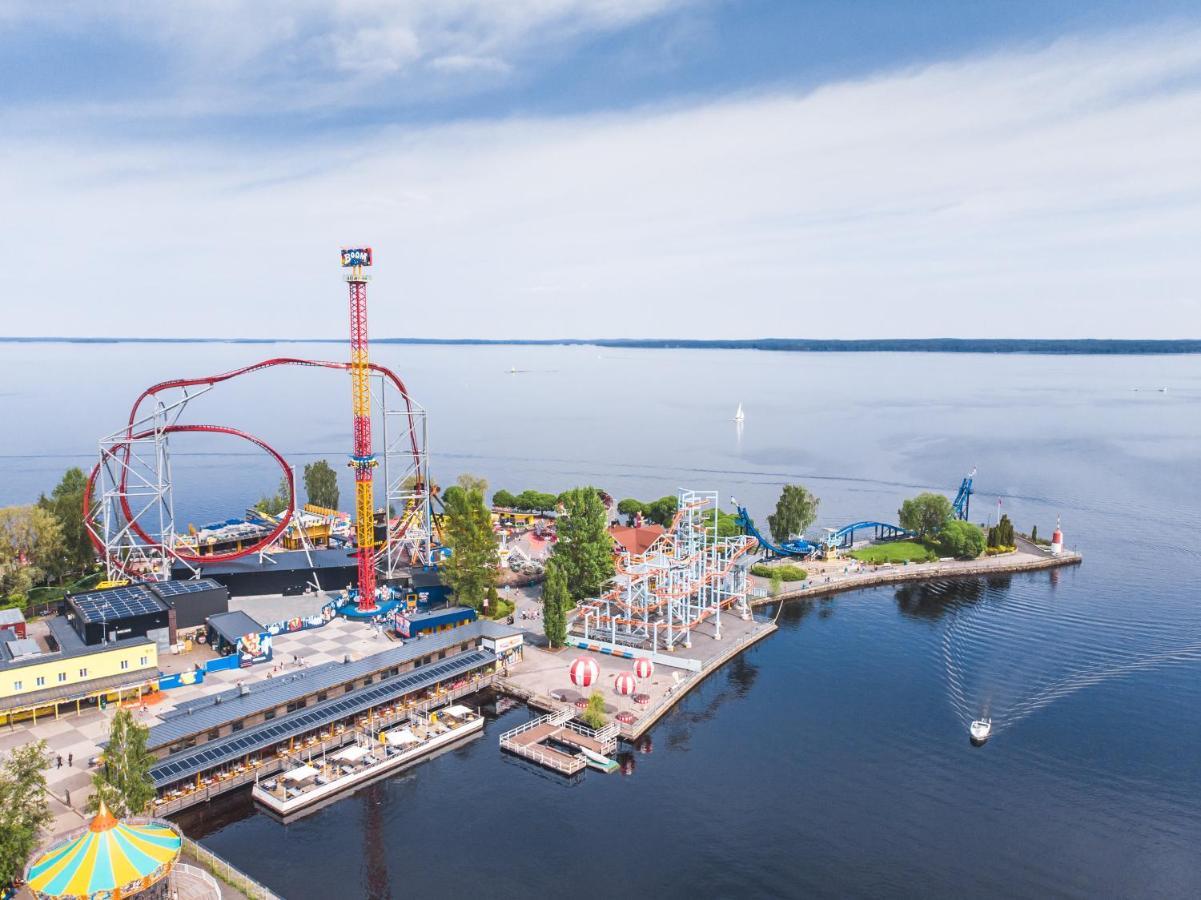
[356, 256]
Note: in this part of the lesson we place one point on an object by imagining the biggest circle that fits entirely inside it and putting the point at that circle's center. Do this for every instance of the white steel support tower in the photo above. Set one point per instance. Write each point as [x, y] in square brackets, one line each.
[689, 575]
[132, 498]
[403, 426]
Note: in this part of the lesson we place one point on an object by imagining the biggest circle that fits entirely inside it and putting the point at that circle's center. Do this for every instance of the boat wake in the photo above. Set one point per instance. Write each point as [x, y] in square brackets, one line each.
[1006, 658]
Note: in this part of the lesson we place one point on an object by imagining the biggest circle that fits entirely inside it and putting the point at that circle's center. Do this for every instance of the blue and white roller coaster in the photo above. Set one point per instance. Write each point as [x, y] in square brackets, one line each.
[841, 538]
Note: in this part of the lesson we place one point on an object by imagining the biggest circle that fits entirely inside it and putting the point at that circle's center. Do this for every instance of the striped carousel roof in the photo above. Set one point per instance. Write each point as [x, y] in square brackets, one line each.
[108, 860]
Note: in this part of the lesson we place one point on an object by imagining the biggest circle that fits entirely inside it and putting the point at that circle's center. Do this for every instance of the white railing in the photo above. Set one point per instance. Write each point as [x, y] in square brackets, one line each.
[235, 878]
[199, 875]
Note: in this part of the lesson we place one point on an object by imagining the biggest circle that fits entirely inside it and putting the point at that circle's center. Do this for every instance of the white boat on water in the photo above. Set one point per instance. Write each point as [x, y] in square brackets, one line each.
[739, 416]
[980, 731]
[319, 779]
[599, 760]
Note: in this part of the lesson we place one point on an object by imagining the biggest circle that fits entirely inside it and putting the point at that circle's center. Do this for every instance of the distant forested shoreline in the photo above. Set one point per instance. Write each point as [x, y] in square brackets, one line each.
[1079, 347]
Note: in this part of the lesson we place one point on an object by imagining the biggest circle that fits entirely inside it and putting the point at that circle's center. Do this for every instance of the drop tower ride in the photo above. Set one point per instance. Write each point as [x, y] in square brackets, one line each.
[362, 460]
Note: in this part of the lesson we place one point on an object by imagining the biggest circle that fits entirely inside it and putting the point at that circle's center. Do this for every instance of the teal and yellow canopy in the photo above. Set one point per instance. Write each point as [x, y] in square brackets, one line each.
[109, 861]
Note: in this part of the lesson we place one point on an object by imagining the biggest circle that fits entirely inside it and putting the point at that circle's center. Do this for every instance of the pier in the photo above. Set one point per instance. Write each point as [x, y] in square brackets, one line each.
[534, 740]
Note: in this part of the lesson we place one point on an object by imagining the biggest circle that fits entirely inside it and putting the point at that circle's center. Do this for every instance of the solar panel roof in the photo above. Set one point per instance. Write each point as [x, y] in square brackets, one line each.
[204, 713]
[116, 603]
[192, 586]
[215, 753]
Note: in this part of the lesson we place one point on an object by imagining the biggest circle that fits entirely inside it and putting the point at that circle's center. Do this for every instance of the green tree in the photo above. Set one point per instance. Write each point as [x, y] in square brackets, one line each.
[276, 503]
[555, 602]
[629, 507]
[777, 580]
[795, 511]
[31, 547]
[594, 715]
[661, 511]
[469, 482]
[584, 547]
[124, 782]
[504, 498]
[535, 501]
[321, 484]
[471, 569]
[1034, 534]
[453, 494]
[24, 811]
[960, 539]
[66, 503]
[925, 514]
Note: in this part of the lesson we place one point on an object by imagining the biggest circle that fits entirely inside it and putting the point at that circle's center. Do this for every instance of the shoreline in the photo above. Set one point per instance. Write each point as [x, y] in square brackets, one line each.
[876, 576]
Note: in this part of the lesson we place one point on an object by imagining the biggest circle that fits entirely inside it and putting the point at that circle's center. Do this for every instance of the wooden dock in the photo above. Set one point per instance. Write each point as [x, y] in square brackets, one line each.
[532, 740]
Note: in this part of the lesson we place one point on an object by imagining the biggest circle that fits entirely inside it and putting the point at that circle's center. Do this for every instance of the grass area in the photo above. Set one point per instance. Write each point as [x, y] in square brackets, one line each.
[894, 552]
[503, 609]
[785, 571]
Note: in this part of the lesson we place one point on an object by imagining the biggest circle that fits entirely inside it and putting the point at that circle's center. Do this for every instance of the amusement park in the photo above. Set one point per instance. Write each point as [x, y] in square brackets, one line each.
[299, 652]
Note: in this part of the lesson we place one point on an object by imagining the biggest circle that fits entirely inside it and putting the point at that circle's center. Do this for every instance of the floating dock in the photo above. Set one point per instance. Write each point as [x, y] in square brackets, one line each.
[312, 781]
[558, 743]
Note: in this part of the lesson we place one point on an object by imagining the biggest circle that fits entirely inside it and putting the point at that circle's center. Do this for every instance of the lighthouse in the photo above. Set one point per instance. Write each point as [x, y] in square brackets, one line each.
[1057, 539]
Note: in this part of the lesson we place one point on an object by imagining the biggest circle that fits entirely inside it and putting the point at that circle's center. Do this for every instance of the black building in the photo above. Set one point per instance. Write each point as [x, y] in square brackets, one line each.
[284, 573]
[192, 601]
[118, 613]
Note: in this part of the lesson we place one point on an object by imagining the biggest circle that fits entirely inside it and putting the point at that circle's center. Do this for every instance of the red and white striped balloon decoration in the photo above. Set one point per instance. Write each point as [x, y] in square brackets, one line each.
[643, 668]
[625, 684]
[584, 672]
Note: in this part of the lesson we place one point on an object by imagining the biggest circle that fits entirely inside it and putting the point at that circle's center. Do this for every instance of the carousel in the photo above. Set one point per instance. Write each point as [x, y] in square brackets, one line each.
[111, 860]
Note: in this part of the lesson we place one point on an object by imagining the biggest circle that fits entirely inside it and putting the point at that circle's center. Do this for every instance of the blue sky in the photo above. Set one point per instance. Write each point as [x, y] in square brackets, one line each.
[615, 168]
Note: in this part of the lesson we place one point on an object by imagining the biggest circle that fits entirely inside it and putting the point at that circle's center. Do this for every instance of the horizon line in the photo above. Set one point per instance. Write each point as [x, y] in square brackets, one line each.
[1061, 346]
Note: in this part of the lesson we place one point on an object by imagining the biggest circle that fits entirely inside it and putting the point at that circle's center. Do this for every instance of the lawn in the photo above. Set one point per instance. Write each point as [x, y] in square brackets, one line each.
[894, 552]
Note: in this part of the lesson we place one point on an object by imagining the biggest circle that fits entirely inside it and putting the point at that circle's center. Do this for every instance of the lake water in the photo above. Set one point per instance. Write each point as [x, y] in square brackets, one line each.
[832, 759]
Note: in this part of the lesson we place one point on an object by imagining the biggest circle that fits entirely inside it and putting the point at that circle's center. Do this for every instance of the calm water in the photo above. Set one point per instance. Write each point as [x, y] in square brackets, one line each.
[832, 759]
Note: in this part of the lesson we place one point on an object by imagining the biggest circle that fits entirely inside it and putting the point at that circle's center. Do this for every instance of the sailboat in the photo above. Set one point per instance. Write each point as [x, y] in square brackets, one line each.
[739, 416]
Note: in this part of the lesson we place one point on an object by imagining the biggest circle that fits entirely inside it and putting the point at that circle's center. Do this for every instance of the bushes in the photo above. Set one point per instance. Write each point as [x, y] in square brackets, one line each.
[960, 539]
[785, 571]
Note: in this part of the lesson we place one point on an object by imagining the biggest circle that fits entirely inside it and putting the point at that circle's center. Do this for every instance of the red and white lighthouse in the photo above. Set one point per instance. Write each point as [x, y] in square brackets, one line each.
[1057, 539]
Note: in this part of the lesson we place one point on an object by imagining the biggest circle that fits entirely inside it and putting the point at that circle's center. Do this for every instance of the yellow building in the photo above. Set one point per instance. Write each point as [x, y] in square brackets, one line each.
[36, 683]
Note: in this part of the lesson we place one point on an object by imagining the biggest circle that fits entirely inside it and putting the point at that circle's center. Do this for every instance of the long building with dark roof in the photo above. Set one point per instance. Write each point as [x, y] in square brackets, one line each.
[216, 743]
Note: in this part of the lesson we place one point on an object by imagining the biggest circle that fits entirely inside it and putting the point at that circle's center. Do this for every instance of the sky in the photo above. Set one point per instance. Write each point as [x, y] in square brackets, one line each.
[602, 168]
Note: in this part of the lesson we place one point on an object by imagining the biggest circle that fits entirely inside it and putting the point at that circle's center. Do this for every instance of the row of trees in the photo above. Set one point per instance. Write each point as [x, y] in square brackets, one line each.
[660, 511]
[45, 542]
[527, 501]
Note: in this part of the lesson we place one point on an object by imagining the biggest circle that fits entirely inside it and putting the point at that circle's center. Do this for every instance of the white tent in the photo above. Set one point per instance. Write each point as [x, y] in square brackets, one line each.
[459, 712]
[353, 753]
[402, 736]
[302, 773]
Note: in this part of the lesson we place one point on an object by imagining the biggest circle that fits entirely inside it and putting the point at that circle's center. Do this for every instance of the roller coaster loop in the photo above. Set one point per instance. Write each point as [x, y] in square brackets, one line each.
[124, 449]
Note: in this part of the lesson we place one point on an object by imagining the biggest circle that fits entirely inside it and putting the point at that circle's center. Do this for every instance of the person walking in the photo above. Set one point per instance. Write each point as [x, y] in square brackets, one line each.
[70, 760]
[68, 796]
[59, 761]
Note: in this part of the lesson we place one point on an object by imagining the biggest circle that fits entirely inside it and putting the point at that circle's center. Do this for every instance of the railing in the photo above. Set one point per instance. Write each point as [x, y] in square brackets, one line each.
[270, 766]
[235, 878]
[200, 875]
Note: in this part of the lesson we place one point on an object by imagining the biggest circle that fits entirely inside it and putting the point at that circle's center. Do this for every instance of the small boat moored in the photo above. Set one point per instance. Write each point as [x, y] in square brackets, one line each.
[980, 731]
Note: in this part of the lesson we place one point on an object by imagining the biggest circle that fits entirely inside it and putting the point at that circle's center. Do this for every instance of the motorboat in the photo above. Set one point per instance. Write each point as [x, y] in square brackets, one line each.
[980, 731]
[599, 760]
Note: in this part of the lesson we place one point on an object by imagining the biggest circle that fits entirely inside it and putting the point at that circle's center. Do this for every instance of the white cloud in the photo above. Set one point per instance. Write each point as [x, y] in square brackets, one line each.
[1041, 193]
[271, 48]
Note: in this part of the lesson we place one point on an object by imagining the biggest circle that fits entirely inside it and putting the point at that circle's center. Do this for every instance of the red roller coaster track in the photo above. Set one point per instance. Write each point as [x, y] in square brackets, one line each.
[124, 448]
